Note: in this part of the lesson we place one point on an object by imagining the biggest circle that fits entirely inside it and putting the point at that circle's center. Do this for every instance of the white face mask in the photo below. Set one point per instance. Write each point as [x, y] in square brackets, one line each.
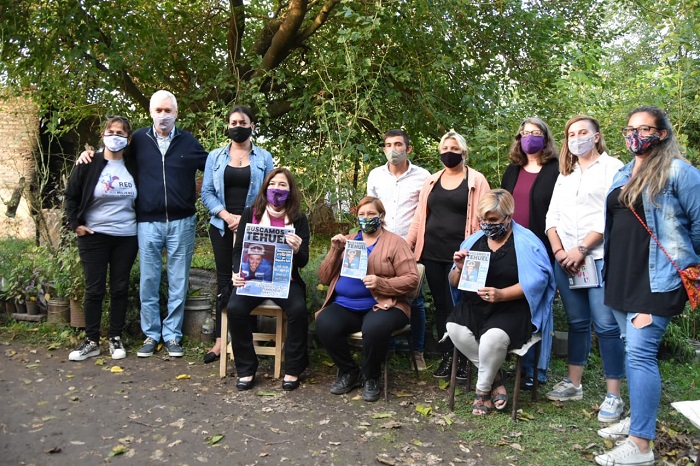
[115, 143]
[582, 146]
[164, 122]
[395, 157]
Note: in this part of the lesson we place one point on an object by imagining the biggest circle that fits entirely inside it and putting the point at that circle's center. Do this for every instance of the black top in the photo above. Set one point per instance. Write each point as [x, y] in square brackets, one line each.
[236, 182]
[444, 227]
[540, 196]
[626, 273]
[513, 317]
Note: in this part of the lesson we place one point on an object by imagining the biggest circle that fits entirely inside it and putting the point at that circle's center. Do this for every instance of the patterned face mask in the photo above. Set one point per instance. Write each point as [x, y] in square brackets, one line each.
[639, 145]
[369, 225]
[494, 230]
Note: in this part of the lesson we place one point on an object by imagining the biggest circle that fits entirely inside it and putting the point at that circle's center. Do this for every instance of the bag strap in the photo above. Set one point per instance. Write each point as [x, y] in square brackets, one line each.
[656, 239]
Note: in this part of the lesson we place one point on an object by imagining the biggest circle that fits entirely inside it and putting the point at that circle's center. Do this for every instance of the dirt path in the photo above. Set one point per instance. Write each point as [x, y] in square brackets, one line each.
[59, 412]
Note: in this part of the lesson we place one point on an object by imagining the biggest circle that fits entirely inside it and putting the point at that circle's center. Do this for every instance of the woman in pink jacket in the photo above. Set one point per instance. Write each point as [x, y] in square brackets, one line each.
[446, 214]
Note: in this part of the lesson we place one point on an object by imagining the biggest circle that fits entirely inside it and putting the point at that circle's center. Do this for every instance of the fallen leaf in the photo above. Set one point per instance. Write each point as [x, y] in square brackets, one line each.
[116, 370]
[386, 459]
[182, 377]
[267, 394]
[381, 415]
[448, 420]
[214, 439]
[54, 450]
[516, 446]
[70, 376]
[31, 366]
[180, 423]
[118, 450]
[324, 422]
[424, 410]
[403, 394]
[176, 442]
[443, 384]
[391, 425]
[101, 362]
[417, 442]
[328, 363]
[334, 443]
[262, 455]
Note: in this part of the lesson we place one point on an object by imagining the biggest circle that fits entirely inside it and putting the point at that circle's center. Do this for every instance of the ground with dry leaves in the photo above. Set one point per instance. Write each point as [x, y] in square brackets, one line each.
[157, 410]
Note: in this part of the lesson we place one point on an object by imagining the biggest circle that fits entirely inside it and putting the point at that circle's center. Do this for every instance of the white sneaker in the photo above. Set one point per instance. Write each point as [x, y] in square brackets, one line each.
[88, 349]
[566, 391]
[627, 453]
[116, 348]
[611, 409]
[617, 431]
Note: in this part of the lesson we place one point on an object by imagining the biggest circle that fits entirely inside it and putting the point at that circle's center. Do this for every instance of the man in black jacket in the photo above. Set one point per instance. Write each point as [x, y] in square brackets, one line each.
[168, 159]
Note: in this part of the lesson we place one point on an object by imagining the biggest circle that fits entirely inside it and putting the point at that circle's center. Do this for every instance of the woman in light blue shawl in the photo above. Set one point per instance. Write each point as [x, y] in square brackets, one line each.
[515, 301]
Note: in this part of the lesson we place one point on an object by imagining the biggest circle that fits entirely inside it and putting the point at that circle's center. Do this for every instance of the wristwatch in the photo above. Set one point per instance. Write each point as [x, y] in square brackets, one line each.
[583, 250]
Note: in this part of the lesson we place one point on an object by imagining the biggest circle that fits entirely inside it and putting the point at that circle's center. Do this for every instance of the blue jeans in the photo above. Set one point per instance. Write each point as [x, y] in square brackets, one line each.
[177, 238]
[583, 306]
[643, 377]
[418, 322]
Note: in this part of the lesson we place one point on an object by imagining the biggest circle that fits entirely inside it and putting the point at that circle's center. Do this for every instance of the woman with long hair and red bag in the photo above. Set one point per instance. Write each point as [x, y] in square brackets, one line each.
[652, 230]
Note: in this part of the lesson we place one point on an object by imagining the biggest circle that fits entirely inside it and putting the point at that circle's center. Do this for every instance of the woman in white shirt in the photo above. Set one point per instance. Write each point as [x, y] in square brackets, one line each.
[575, 223]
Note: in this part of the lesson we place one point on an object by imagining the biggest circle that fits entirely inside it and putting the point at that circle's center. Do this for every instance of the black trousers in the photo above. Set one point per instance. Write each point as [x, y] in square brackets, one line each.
[223, 257]
[296, 356]
[97, 253]
[436, 273]
[335, 323]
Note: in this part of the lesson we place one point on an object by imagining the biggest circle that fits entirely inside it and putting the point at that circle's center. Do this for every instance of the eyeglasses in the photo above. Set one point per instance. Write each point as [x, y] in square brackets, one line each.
[642, 130]
[536, 132]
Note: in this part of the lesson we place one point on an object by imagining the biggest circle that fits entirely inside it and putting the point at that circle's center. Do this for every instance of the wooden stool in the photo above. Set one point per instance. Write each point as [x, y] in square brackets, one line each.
[266, 308]
[405, 331]
[519, 353]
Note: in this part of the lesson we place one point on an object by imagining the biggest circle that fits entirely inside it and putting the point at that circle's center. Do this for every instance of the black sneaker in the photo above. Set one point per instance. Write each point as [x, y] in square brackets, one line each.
[149, 346]
[462, 367]
[370, 391]
[345, 383]
[445, 367]
[174, 349]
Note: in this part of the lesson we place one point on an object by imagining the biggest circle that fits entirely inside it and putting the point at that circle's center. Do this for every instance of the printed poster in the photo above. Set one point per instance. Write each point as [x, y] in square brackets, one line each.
[266, 262]
[476, 267]
[354, 259]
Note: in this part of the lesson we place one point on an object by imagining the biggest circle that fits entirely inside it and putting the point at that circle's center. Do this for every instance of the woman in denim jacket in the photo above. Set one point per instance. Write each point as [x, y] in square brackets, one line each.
[641, 283]
[232, 178]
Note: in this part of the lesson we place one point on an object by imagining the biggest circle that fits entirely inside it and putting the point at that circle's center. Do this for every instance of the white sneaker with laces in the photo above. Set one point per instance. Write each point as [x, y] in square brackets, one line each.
[116, 348]
[617, 431]
[627, 453]
[611, 408]
[88, 349]
[566, 391]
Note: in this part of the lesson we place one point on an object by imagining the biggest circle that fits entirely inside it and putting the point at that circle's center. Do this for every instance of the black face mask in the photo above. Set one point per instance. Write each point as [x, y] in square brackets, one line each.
[239, 133]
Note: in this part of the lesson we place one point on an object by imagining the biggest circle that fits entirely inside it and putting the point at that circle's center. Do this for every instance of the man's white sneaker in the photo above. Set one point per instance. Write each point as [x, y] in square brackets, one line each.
[627, 453]
[116, 348]
[617, 431]
[611, 409]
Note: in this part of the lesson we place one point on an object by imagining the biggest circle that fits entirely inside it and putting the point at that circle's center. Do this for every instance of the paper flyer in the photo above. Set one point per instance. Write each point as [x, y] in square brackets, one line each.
[266, 262]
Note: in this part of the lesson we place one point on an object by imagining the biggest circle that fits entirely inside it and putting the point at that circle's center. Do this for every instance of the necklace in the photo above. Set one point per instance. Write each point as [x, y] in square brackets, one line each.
[237, 156]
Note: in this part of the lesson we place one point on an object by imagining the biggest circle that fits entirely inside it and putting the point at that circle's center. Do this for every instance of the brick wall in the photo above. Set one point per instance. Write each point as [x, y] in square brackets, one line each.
[19, 129]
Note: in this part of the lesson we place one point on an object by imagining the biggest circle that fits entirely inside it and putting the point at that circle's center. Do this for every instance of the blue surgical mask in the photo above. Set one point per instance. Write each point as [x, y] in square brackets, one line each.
[370, 225]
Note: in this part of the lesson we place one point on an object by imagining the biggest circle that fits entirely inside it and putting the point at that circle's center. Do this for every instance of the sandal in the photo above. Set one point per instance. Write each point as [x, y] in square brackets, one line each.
[498, 397]
[479, 408]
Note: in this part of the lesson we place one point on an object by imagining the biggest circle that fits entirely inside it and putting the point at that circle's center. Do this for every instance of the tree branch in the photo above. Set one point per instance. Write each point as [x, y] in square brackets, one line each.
[319, 21]
[283, 40]
[234, 36]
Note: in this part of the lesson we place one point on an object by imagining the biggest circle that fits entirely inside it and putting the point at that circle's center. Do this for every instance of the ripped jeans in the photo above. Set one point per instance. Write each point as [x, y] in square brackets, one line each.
[643, 376]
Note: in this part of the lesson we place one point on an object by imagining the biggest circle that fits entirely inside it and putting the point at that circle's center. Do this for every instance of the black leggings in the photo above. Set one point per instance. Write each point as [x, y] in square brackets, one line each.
[436, 273]
[335, 323]
[223, 256]
[97, 252]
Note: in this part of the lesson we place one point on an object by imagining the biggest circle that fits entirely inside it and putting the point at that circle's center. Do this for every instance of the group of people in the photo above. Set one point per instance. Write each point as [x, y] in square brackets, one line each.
[557, 214]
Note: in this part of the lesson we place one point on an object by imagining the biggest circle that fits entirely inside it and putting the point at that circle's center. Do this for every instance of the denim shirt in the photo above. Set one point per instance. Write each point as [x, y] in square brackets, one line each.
[675, 220]
[213, 196]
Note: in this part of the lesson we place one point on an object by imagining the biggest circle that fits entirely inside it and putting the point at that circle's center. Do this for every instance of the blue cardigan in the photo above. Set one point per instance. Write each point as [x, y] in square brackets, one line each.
[213, 195]
[537, 280]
